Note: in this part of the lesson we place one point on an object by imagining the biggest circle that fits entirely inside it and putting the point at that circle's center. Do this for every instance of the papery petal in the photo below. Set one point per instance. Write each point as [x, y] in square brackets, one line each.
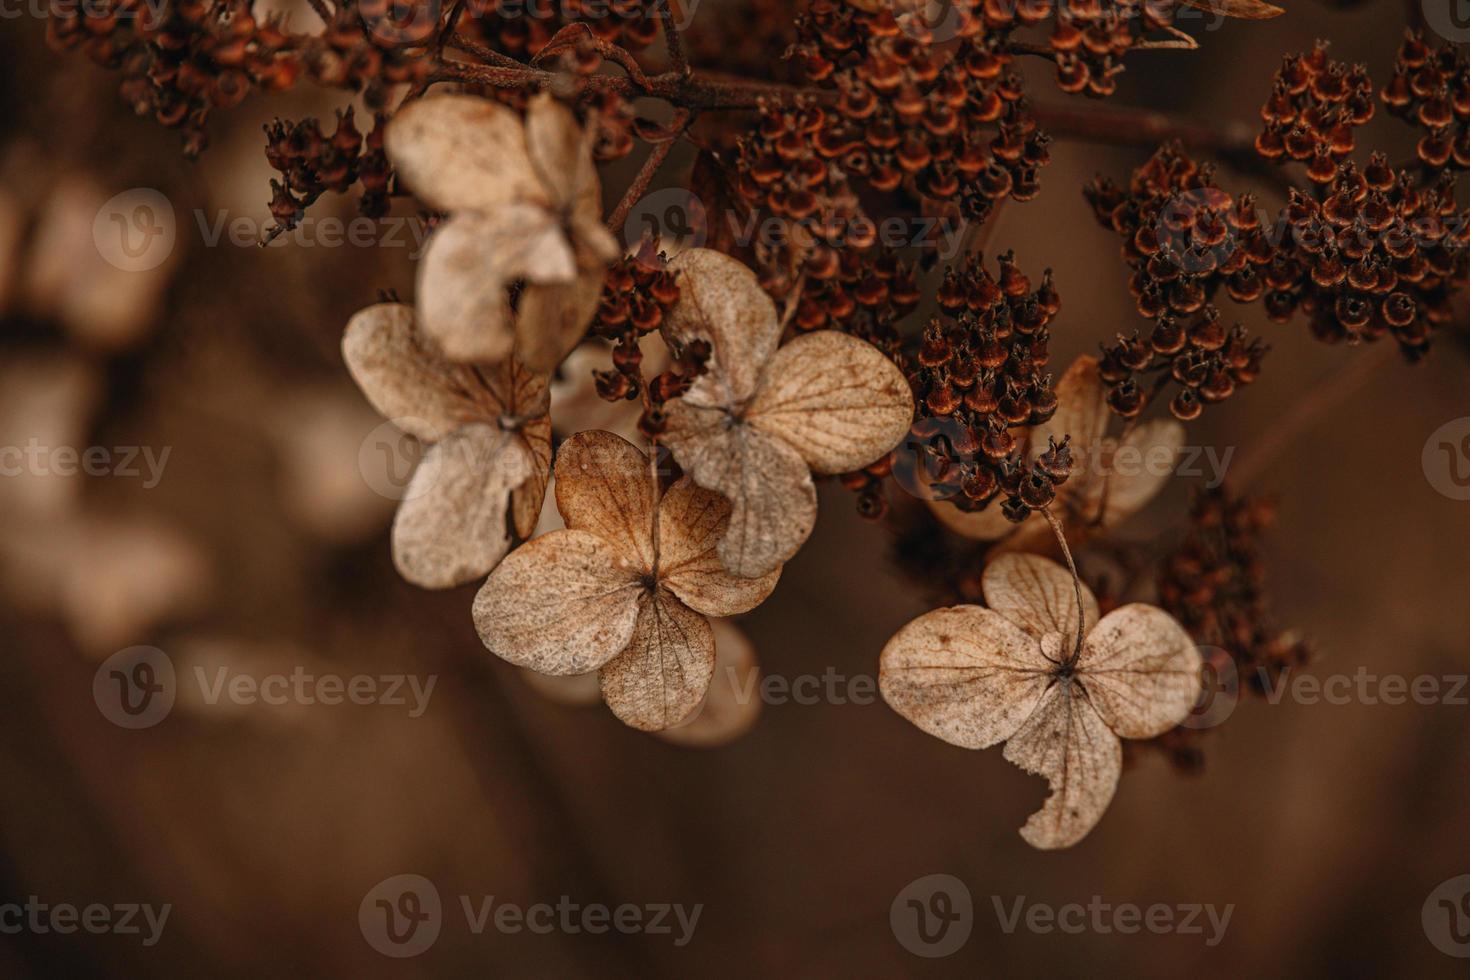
[1139, 468]
[1038, 595]
[773, 501]
[464, 278]
[563, 603]
[662, 676]
[733, 702]
[721, 301]
[553, 319]
[1141, 670]
[691, 524]
[835, 399]
[406, 381]
[560, 152]
[604, 486]
[527, 500]
[964, 674]
[1243, 9]
[1066, 741]
[462, 152]
[451, 527]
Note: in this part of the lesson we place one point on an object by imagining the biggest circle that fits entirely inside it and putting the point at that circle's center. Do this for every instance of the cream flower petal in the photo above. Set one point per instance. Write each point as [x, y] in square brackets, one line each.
[963, 674]
[773, 501]
[1140, 467]
[596, 246]
[604, 486]
[559, 149]
[1037, 595]
[563, 603]
[464, 279]
[1140, 670]
[526, 501]
[691, 525]
[451, 527]
[409, 383]
[721, 301]
[835, 399]
[733, 702]
[462, 152]
[553, 319]
[662, 676]
[1066, 741]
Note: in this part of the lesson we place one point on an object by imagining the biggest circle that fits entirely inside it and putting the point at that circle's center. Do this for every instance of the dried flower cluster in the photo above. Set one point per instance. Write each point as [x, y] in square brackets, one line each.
[312, 163]
[1214, 583]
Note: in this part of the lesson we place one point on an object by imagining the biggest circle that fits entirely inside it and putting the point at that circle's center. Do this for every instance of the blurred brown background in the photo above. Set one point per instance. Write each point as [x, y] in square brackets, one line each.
[262, 548]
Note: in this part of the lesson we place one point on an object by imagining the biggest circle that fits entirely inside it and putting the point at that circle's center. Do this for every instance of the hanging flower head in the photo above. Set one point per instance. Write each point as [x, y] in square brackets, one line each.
[624, 590]
[1100, 490]
[1039, 671]
[759, 420]
[490, 446]
[526, 205]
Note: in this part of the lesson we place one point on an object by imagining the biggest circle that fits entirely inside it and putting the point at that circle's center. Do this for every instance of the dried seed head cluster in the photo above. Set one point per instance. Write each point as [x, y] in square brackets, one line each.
[1183, 237]
[506, 25]
[1214, 583]
[182, 59]
[1431, 89]
[980, 376]
[637, 297]
[1373, 251]
[952, 128]
[312, 163]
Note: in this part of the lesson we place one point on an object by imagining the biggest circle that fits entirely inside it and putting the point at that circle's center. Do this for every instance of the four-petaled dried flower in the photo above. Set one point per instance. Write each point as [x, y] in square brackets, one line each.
[485, 472]
[526, 205]
[1039, 671]
[758, 420]
[624, 590]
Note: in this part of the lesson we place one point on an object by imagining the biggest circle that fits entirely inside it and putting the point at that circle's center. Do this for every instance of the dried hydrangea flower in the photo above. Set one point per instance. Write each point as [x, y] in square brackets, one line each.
[1039, 671]
[733, 702]
[1095, 493]
[489, 446]
[759, 420]
[526, 205]
[624, 590]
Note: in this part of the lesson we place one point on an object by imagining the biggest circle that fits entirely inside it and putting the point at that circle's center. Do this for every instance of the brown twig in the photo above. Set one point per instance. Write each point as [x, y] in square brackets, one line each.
[673, 42]
[649, 170]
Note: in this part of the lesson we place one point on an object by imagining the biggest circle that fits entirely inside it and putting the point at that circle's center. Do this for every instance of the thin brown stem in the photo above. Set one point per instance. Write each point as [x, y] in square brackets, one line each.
[649, 170]
[673, 41]
[1056, 528]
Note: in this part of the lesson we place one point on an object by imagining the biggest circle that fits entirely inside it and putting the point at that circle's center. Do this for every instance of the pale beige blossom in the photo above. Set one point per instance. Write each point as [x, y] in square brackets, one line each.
[761, 420]
[624, 589]
[482, 480]
[525, 205]
[1042, 673]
